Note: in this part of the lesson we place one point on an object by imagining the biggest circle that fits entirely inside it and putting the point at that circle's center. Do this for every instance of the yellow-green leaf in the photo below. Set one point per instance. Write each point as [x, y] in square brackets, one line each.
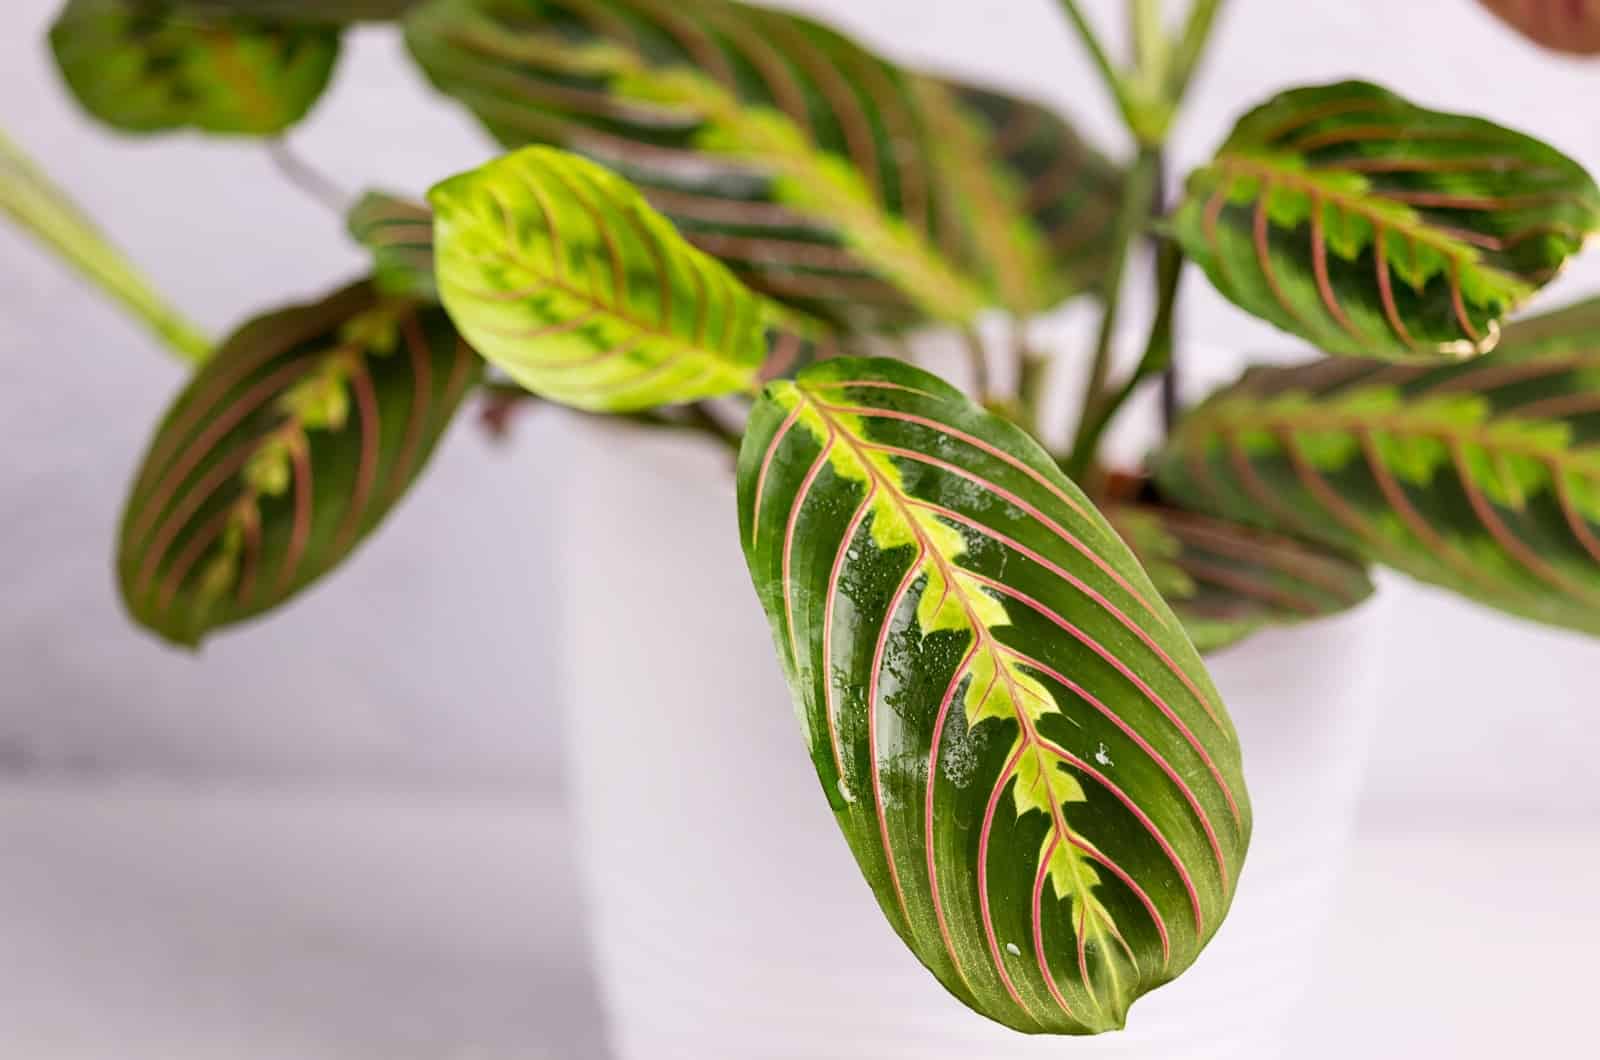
[561, 274]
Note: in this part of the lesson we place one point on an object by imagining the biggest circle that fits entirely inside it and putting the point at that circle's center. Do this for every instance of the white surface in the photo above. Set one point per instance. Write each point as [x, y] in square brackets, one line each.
[151, 923]
[148, 922]
[700, 961]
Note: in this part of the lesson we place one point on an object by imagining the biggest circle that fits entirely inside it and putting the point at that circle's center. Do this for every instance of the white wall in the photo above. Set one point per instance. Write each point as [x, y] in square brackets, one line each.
[427, 658]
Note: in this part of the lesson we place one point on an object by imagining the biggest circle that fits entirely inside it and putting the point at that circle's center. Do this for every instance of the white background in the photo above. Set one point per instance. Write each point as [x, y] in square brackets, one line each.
[413, 686]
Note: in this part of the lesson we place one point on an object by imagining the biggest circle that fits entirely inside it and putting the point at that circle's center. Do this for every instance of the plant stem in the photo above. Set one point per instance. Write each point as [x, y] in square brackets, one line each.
[978, 357]
[696, 418]
[1191, 46]
[307, 178]
[31, 199]
[1108, 73]
[1138, 202]
[1157, 357]
[1150, 47]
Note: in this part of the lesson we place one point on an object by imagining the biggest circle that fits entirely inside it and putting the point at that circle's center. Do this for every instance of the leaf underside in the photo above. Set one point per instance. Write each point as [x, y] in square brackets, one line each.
[1560, 25]
[145, 68]
[1226, 581]
[1023, 750]
[826, 178]
[1481, 477]
[282, 454]
[399, 235]
[558, 271]
[1373, 227]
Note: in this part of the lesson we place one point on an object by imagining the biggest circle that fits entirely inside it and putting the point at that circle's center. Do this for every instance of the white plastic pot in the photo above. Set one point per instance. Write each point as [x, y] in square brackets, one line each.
[728, 917]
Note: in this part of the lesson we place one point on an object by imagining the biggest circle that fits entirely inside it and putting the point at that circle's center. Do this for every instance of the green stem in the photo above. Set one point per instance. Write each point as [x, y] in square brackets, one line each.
[1138, 203]
[29, 197]
[1114, 81]
[1191, 46]
[1033, 374]
[696, 418]
[1157, 358]
[1150, 47]
[978, 358]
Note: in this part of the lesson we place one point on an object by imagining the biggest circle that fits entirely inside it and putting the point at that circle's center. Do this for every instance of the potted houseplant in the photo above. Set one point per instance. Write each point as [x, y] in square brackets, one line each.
[717, 224]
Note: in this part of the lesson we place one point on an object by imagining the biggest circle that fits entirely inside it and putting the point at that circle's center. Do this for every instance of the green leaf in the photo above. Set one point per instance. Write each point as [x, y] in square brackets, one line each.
[34, 202]
[147, 67]
[1373, 227]
[282, 454]
[561, 274]
[1227, 581]
[1481, 477]
[324, 11]
[1022, 748]
[824, 176]
[1561, 25]
[399, 233]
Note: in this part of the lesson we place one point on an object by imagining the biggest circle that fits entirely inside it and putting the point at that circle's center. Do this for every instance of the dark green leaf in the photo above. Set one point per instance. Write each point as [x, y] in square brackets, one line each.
[282, 454]
[1227, 581]
[326, 11]
[1481, 477]
[1371, 226]
[561, 274]
[1022, 748]
[399, 233]
[822, 175]
[1560, 25]
[147, 68]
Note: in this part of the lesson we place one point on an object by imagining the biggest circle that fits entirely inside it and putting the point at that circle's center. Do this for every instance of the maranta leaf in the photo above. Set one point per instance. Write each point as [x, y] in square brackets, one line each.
[1371, 226]
[1022, 748]
[1560, 25]
[325, 11]
[284, 451]
[1226, 581]
[560, 273]
[146, 68]
[1481, 477]
[399, 234]
[823, 176]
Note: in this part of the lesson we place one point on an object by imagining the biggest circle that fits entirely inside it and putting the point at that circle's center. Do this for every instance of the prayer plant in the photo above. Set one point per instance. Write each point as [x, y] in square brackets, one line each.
[711, 215]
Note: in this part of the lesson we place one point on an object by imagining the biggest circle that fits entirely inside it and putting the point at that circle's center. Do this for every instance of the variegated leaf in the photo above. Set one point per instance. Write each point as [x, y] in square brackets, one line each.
[1374, 227]
[1227, 581]
[560, 273]
[146, 68]
[399, 233]
[1022, 748]
[1560, 25]
[1481, 477]
[822, 175]
[325, 11]
[282, 454]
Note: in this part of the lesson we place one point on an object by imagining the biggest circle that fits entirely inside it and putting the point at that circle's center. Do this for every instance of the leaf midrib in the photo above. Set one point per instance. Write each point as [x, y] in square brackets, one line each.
[982, 634]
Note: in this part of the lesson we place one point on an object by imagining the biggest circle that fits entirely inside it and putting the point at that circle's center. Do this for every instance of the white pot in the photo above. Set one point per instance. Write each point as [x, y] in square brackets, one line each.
[728, 917]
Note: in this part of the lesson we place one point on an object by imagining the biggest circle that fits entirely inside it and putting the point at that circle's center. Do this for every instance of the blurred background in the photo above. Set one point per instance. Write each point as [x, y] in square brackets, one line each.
[341, 834]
